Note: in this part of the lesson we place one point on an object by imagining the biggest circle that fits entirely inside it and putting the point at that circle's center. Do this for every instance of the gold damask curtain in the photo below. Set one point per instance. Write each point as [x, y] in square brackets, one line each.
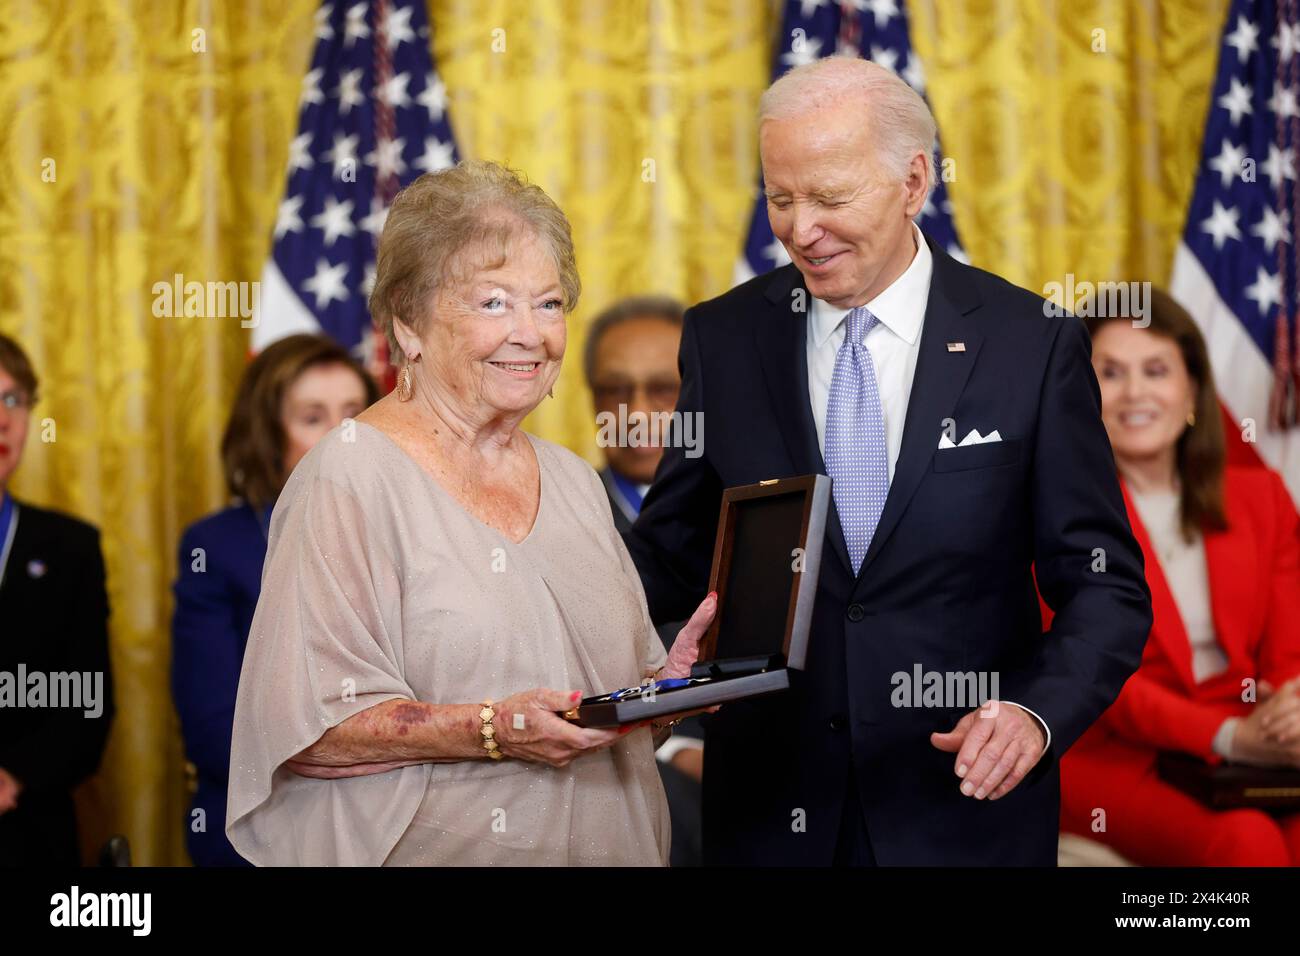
[1075, 125]
[638, 116]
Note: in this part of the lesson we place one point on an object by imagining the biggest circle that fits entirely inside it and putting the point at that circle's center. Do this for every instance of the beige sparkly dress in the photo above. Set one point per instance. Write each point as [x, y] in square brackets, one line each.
[378, 585]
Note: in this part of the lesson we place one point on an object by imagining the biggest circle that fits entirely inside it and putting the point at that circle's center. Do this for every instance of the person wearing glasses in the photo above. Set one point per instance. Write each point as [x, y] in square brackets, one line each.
[631, 367]
[54, 609]
[630, 362]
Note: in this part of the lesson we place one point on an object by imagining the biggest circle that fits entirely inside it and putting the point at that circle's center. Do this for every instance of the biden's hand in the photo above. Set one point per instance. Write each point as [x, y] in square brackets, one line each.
[996, 746]
[684, 653]
[686, 646]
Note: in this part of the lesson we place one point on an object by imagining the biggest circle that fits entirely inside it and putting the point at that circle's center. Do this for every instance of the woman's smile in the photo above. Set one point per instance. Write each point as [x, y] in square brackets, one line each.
[1138, 418]
[523, 370]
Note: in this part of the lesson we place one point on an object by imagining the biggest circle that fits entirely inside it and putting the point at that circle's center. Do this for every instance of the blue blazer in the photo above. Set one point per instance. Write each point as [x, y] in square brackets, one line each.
[215, 601]
[947, 584]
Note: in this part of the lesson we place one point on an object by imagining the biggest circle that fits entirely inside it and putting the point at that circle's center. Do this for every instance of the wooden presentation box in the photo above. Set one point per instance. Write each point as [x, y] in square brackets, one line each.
[766, 562]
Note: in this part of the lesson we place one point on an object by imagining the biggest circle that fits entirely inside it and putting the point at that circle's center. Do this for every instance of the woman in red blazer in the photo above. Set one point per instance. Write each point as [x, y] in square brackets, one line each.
[1218, 677]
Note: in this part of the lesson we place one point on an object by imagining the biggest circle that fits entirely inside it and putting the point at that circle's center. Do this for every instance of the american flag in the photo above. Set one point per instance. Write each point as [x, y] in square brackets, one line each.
[373, 117]
[1236, 267]
[876, 30]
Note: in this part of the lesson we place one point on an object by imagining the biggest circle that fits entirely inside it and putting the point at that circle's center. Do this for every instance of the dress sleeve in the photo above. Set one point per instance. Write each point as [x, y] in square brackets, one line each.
[325, 643]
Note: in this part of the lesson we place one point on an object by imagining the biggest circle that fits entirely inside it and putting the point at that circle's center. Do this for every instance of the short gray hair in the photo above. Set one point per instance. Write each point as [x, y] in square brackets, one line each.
[663, 307]
[901, 121]
[438, 215]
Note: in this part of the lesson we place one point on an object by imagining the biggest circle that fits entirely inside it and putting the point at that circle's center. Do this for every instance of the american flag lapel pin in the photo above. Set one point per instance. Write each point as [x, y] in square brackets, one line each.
[956, 346]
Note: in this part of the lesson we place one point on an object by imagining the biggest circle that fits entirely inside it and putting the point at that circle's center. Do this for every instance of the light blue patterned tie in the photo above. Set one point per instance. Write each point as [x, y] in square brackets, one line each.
[857, 458]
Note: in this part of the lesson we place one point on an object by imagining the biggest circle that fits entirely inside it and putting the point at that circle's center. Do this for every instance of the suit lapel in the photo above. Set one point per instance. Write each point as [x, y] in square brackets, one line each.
[1167, 626]
[9, 545]
[622, 510]
[937, 383]
[781, 339]
[1231, 582]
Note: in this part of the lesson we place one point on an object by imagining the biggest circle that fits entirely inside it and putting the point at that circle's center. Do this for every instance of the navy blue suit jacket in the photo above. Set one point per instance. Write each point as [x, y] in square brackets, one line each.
[947, 584]
[214, 610]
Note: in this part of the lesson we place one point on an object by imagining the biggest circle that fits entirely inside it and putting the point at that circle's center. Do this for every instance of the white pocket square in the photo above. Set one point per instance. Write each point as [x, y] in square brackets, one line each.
[972, 438]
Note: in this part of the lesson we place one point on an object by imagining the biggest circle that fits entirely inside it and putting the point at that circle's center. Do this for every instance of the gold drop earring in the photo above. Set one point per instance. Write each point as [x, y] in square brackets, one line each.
[406, 382]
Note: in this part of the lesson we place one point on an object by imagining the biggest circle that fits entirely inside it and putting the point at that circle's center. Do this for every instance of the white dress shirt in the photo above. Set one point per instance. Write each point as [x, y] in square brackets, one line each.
[894, 344]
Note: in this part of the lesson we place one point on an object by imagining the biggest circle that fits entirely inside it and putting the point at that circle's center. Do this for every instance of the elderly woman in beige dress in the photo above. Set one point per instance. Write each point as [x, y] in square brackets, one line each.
[439, 584]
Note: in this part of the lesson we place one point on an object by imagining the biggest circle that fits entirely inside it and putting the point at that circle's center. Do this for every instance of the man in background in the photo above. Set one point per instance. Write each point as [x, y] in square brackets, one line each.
[631, 367]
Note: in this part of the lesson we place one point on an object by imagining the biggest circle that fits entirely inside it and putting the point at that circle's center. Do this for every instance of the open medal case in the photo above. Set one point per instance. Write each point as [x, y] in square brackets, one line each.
[766, 561]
